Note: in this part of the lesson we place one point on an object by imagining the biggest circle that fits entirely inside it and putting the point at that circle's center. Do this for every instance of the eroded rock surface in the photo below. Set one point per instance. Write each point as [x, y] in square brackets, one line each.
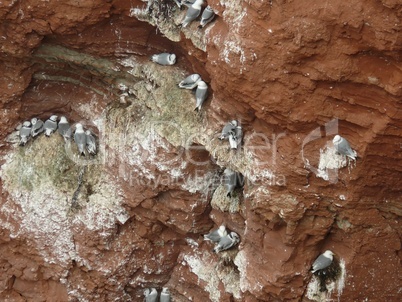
[293, 73]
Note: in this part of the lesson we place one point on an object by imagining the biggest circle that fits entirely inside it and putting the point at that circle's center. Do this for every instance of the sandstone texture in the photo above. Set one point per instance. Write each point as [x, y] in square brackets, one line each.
[294, 73]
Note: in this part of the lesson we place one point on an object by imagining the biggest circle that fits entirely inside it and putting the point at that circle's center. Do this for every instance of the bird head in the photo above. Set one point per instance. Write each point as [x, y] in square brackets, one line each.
[79, 127]
[202, 84]
[222, 228]
[337, 139]
[234, 123]
[63, 119]
[34, 120]
[165, 290]
[172, 58]
[27, 123]
[328, 254]
[53, 118]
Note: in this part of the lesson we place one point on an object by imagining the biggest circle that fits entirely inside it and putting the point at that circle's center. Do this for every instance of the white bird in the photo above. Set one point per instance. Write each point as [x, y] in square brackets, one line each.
[201, 94]
[207, 16]
[37, 127]
[64, 128]
[227, 242]
[91, 142]
[323, 261]
[342, 146]
[216, 235]
[25, 133]
[164, 58]
[165, 295]
[228, 129]
[151, 295]
[193, 12]
[230, 181]
[80, 138]
[50, 125]
[236, 137]
[190, 82]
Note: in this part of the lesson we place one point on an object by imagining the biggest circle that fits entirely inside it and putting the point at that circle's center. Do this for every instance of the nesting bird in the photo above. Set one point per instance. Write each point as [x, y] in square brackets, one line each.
[201, 94]
[207, 16]
[164, 58]
[192, 13]
[37, 127]
[227, 242]
[25, 133]
[165, 295]
[91, 142]
[235, 137]
[230, 181]
[216, 235]
[342, 146]
[151, 295]
[50, 125]
[190, 82]
[80, 138]
[323, 261]
[228, 129]
[64, 128]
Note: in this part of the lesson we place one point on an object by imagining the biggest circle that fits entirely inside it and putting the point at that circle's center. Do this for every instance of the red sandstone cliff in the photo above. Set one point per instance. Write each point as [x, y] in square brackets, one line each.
[293, 72]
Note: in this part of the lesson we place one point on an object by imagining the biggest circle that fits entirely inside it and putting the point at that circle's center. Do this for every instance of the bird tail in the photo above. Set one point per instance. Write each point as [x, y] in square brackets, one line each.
[198, 108]
[48, 132]
[200, 26]
[229, 194]
[23, 141]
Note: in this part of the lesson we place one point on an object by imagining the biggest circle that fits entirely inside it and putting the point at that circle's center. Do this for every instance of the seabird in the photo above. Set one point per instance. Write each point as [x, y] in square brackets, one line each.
[165, 295]
[227, 242]
[207, 16]
[216, 235]
[80, 138]
[91, 142]
[230, 181]
[236, 137]
[228, 129]
[25, 133]
[64, 128]
[193, 12]
[200, 94]
[37, 127]
[151, 295]
[323, 261]
[342, 146]
[190, 82]
[50, 125]
[164, 58]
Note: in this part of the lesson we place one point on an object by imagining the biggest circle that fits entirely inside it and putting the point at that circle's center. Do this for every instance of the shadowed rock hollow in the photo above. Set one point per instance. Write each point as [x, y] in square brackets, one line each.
[294, 73]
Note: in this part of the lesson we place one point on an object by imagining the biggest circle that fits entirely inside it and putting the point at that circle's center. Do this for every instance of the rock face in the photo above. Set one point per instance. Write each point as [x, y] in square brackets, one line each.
[294, 73]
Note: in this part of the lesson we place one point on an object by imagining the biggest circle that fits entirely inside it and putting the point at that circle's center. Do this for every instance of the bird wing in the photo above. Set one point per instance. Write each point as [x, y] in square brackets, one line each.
[321, 262]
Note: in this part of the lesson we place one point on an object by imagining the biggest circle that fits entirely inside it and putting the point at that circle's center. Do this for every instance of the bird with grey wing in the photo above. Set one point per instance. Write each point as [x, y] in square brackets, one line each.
[216, 235]
[25, 133]
[227, 242]
[50, 125]
[323, 261]
[342, 146]
[228, 129]
[230, 181]
[64, 128]
[190, 82]
[201, 95]
[37, 127]
[80, 138]
[207, 16]
[164, 58]
[235, 137]
[192, 13]
[165, 295]
[151, 295]
[91, 142]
